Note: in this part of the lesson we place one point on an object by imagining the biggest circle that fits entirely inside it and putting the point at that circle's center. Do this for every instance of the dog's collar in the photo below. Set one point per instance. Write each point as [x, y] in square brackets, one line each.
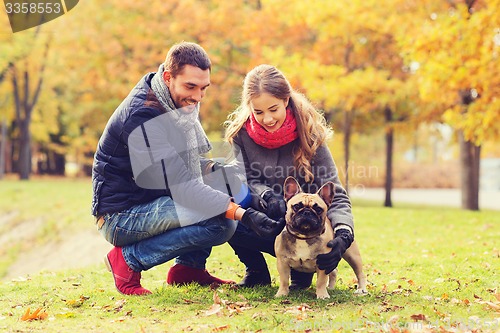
[301, 237]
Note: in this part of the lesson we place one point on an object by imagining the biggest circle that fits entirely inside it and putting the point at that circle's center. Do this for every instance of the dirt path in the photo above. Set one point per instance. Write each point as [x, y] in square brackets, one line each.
[441, 197]
[79, 250]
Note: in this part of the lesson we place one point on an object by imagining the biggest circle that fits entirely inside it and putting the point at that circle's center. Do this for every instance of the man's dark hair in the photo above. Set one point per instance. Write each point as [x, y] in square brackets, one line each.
[186, 53]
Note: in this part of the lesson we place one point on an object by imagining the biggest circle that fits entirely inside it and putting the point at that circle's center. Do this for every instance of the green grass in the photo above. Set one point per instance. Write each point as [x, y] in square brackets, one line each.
[439, 266]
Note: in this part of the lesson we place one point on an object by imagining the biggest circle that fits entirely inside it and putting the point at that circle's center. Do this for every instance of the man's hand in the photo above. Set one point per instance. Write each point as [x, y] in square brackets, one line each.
[329, 261]
[261, 224]
[274, 205]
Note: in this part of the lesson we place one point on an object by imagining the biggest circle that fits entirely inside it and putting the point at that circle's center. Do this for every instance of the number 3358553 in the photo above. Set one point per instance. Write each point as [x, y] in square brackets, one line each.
[32, 8]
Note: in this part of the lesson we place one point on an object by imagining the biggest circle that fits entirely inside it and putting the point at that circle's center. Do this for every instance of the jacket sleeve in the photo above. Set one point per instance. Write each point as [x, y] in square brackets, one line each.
[255, 185]
[325, 170]
[157, 165]
[206, 165]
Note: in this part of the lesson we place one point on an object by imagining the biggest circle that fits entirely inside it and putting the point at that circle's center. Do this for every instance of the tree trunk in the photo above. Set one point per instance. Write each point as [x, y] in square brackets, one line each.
[348, 115]
[25, 99]
[24, 165]
[3, 145]
[389, 141]
[23, 120]
[469, 173]
[52, 163]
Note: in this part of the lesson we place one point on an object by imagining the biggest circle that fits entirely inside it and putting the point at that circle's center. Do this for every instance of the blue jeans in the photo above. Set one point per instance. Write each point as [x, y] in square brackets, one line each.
[151, 234]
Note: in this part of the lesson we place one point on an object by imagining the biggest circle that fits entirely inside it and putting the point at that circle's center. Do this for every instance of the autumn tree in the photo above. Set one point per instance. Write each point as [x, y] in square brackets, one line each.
[346, 58]
[26, 59]
[456, 49]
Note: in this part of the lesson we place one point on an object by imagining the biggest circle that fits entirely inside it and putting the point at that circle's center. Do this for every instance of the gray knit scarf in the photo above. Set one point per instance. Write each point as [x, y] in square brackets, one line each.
[196, 139]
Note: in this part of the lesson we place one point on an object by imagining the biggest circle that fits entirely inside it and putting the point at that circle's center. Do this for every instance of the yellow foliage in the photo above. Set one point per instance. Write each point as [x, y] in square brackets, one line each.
[411, 56]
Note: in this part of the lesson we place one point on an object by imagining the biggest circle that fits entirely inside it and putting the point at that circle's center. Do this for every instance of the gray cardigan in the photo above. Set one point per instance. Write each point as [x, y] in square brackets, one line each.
[268, 168]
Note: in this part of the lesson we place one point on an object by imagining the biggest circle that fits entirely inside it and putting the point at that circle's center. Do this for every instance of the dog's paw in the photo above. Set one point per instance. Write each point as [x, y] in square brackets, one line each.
[360, 292]
[281, 293]
[322, 295]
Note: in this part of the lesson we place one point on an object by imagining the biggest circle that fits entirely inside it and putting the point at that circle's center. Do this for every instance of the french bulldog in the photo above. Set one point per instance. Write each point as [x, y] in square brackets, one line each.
[306, 233]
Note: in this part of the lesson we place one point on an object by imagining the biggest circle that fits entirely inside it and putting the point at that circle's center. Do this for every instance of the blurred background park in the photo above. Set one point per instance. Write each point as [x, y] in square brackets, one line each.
[411, 88]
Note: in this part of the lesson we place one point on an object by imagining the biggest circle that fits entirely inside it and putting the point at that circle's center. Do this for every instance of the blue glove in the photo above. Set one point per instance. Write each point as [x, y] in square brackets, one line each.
[226, 179]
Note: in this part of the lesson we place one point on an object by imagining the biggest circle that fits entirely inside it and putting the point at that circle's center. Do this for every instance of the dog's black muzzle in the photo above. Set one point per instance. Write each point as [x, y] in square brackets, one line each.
[307, 223]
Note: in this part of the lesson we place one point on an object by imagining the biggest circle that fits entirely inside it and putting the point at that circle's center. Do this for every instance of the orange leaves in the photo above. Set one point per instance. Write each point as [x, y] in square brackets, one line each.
[38, 314]
[492, 305]
[223, 307]
[76, 303]
[418, 317]
[299, 311]
[220, 328]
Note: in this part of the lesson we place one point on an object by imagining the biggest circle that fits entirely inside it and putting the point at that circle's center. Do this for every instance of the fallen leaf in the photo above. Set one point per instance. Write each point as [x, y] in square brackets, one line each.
[492, 305]
[299, 309]
[220, 328]
[119, 305]
[238, 307]
[38, 314]
[76, 303]
[397, 291]
[259, 316]
[417, 317]
[216, 298]
[214, 309]
[439, 313]
[66, 315]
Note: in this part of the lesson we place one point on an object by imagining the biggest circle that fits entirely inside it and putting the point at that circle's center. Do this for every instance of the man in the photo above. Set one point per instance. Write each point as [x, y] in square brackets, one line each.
[149, 198]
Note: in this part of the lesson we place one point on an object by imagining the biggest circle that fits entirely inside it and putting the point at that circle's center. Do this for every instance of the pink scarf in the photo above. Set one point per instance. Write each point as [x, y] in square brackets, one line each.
[285, 134]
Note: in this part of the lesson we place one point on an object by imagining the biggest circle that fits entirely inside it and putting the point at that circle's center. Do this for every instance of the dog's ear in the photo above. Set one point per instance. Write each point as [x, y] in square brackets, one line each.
[326, 192]
[292, 187]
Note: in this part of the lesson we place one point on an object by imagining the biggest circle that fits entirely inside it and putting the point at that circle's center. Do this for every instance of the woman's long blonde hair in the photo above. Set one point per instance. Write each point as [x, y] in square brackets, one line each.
[312, 128]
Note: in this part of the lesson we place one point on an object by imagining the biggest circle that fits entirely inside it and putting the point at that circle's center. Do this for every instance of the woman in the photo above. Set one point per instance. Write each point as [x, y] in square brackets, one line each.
[279, 133]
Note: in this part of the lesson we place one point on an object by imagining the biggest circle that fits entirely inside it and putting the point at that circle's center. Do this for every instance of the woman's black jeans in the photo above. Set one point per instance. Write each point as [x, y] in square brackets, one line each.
[248, 246]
